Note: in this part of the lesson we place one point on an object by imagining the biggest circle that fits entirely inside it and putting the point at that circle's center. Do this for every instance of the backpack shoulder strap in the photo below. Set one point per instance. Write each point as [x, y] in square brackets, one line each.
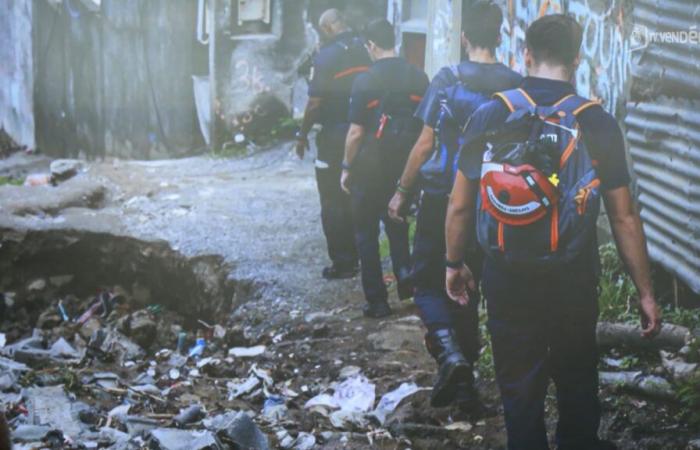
[454, 68]
[516, 99]
[574, 104]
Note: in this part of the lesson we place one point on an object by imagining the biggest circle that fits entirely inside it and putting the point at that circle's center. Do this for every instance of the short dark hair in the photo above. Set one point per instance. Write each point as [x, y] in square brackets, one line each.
[381, 32]
[481, 24]
[554, 39]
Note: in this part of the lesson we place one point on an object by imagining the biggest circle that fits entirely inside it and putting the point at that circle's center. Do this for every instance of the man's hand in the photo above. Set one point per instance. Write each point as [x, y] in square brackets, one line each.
[345, 181]
[651, 317]
[397, 206]
[301, 146]
[458, 282]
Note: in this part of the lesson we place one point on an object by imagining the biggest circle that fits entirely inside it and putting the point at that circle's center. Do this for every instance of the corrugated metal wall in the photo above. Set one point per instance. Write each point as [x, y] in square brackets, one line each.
[663, 131]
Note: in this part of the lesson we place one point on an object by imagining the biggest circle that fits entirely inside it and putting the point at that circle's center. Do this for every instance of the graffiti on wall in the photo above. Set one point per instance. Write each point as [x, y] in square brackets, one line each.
[605, 51]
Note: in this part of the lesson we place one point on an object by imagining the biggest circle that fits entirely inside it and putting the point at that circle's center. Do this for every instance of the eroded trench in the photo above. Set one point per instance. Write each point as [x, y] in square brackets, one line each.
[37, 268]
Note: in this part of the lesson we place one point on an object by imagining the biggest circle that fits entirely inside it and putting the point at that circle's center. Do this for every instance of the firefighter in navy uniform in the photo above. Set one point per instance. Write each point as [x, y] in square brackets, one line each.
[381, 134]
[454, 94]
[335, 68]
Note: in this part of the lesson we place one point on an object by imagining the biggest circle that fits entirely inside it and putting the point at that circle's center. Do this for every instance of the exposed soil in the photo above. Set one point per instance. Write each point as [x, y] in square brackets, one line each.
[245, 236]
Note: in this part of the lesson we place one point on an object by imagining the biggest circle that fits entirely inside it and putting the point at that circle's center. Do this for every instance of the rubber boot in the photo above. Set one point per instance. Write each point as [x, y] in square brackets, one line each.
[452, 366]
[377, 310]
[404, 284]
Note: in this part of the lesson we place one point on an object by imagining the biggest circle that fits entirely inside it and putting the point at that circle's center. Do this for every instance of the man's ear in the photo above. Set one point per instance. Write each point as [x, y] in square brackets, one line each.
[577, 61]
[529, 62]
[465, 42]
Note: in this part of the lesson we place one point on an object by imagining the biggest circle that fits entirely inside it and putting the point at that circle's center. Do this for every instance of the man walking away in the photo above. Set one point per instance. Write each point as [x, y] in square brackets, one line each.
[454, 94]
[541, 158]
[335, 68]
[381, 134]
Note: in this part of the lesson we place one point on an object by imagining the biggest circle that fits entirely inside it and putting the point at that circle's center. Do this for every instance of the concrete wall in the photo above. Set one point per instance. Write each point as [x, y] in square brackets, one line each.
[257, 75]
[16, 71]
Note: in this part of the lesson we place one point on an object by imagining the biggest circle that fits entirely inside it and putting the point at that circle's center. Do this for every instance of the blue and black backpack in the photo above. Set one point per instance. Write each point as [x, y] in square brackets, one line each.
[539, 191]
[457, 104]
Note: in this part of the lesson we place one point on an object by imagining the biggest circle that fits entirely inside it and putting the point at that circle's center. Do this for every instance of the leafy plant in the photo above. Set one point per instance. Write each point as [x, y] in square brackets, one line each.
[616, 289]
[689, 397]
[10, 181]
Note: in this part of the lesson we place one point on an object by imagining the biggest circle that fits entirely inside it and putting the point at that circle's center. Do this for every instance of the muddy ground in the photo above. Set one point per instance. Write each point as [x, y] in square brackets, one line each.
[244, 240]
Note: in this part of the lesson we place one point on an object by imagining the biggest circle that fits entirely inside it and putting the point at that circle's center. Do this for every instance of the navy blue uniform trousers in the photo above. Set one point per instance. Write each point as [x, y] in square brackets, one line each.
[437, 310]
[370, 200]
[336, 213]
[544, 327]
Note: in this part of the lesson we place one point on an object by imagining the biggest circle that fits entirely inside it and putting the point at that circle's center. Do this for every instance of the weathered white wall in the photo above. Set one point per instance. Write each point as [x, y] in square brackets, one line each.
[443, 44]
[16, 71]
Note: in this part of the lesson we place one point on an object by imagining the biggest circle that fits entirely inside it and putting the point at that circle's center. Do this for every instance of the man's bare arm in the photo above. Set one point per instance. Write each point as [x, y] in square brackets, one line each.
[460, 215]
[458, 224]
[629, 237]
[353, 141]
[419, 155]
[311, 116]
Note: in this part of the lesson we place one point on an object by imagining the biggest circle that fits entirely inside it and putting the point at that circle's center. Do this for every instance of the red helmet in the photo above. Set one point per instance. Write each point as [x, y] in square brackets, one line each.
[516, 195]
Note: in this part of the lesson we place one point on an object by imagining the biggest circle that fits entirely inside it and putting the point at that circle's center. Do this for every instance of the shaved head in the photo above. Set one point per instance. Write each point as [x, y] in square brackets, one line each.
[332, 23]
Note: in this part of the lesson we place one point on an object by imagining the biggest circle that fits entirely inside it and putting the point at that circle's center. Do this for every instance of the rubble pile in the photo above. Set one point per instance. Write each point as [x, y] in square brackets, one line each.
[117, 370]
[107, 371]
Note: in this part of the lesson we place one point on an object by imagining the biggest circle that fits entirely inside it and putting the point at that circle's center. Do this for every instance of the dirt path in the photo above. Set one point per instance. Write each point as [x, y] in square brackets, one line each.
[261, 215]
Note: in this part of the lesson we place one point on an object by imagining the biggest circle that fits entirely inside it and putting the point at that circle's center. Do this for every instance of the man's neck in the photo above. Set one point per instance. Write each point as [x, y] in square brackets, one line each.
[557, 73]
[384, 54]
[481, 55]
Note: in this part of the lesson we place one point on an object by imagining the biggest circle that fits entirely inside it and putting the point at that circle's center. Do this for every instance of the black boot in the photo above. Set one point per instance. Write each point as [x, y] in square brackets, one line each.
[377, 310]
[452, 366]
[339, 272]
[469, 403]
[404, 284]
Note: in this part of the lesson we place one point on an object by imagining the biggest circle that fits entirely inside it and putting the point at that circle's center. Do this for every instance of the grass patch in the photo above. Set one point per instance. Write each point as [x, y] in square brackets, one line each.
[485, 363]
[9, 181]
[689, 397]
[282, 130]
[384, 251]
[616, 290]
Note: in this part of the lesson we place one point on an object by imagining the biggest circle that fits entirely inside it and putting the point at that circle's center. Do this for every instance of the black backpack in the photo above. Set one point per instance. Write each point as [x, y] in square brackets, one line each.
[387, 147]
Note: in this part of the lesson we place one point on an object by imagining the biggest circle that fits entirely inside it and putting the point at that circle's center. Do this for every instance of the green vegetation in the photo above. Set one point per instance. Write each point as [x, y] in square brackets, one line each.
[485, 363]
[10, 181]
[616, 292]
[689, 397]
[283, 129]
[384, 241]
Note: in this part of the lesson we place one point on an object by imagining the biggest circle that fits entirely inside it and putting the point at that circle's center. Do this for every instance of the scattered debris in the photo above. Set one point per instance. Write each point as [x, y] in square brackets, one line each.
[391, 400]
[250, 352]
[63, 169]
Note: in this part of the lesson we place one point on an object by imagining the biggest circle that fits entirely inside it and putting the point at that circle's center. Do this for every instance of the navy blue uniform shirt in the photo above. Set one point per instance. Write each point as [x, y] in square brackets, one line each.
[389, 75]
[477, 77]
[335, 68]
[600, 131]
